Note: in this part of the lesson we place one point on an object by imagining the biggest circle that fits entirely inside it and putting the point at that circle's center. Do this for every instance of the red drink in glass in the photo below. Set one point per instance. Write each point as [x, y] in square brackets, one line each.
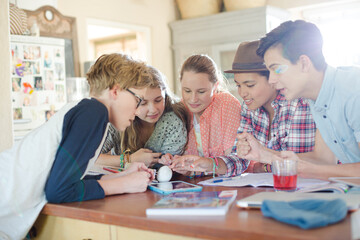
[285, 183]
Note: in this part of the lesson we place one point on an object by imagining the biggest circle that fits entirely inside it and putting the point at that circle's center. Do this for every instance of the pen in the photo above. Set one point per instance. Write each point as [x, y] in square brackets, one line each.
[110, 170]
[221, 180]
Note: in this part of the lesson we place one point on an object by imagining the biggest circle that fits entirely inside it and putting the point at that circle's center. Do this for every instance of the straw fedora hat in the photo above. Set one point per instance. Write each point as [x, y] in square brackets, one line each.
[246, 59]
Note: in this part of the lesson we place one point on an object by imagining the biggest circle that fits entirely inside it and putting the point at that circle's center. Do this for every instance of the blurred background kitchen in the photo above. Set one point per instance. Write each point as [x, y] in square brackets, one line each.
[47, 46]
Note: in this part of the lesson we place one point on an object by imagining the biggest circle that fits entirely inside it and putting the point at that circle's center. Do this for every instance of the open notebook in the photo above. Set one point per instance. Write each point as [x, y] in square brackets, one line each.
[352, 181]
[266, 180]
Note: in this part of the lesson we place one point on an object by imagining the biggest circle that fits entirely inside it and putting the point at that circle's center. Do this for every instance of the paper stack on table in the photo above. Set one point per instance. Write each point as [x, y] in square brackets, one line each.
[266, 180]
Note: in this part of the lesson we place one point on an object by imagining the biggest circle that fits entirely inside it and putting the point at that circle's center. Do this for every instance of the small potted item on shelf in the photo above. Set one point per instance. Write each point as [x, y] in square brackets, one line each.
[18, 20]
[232, 5]
[198, 8]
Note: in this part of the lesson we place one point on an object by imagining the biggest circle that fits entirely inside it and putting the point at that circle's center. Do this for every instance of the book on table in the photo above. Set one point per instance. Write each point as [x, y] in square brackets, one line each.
[215, 203]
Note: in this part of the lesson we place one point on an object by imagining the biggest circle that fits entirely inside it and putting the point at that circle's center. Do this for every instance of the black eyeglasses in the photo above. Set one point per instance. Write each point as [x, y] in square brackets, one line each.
[138, 98]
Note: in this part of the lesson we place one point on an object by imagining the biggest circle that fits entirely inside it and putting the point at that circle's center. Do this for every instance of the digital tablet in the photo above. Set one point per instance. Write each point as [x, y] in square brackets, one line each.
[351, 181]
[174, 186]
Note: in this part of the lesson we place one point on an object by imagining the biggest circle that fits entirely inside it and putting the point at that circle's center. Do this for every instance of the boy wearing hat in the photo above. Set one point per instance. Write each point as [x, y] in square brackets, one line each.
[293, 55]
[266, 116]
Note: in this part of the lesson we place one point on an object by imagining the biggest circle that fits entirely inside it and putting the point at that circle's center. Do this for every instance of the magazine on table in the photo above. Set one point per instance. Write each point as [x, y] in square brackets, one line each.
[214, 203]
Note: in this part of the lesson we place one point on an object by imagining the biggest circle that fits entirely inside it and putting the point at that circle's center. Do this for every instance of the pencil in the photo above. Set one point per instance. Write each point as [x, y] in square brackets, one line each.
[110, 170]
[115, 168]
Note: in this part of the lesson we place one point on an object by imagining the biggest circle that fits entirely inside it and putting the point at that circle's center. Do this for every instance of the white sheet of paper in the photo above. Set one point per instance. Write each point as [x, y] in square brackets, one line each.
[355, 225]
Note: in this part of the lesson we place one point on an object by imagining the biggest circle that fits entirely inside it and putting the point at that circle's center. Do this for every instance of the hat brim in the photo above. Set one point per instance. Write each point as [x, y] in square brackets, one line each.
[246, 70]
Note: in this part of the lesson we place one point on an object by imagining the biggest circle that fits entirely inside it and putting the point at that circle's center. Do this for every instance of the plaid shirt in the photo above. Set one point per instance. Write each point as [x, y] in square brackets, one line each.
[292, 129]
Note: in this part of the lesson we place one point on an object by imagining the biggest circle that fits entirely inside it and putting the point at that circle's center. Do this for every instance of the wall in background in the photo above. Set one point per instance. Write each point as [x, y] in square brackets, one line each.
[301, 3]
[137, 12]
[34, 4]
[141, 12]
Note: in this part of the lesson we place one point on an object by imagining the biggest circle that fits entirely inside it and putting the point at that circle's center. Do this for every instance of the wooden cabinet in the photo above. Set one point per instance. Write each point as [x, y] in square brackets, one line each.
[219, 35]
[60, 228]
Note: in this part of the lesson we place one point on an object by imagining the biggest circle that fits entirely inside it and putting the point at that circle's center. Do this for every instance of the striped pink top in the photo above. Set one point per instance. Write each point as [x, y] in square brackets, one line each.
[218, 126]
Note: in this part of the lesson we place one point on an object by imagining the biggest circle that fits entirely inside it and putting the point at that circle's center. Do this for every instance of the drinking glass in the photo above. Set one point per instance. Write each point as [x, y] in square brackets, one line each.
[285, 174]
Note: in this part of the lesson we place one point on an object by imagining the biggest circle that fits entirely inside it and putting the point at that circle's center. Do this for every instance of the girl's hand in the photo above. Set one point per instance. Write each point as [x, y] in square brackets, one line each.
[166, 159]
[192, 163]
[146, 156]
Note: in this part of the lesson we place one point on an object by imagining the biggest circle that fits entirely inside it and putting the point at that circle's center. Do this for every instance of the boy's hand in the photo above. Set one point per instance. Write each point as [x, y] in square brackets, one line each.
[136, 181]
[146, 156]
[249, 148]
[139, 167]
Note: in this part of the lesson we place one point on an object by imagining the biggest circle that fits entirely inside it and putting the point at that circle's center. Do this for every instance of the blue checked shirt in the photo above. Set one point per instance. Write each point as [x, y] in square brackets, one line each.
[292, 129]
[337, 112]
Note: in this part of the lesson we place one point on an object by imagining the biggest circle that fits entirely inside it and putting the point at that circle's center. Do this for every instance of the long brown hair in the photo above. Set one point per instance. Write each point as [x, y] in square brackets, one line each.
[200, 63]
[151, 77]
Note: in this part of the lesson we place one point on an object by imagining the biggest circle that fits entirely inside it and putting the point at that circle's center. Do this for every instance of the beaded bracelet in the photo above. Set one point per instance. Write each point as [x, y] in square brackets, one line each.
[122, 160]
[267, 168]
[194, 175]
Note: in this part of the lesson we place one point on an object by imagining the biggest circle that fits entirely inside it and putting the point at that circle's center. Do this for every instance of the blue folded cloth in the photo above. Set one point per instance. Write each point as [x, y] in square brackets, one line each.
[308, 213]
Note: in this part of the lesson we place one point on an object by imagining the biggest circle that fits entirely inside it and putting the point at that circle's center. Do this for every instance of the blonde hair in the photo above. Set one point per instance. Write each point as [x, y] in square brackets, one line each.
[151, 77]
[200, 63]
[115, 68]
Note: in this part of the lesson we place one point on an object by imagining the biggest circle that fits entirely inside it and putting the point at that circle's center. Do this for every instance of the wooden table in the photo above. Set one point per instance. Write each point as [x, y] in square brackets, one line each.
[123, 217]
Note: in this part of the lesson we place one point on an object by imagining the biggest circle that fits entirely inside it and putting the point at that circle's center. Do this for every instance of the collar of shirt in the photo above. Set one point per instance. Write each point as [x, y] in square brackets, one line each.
[327, 90]
[280, 100]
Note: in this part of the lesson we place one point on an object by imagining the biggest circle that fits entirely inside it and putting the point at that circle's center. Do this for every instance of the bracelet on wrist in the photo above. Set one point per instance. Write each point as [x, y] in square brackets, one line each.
[267, 168]
[122, 160]
[125, 158]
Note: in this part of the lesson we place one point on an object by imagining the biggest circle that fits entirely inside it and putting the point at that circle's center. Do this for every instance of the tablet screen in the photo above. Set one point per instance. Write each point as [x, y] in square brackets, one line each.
[175, 186]
[172, 185]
